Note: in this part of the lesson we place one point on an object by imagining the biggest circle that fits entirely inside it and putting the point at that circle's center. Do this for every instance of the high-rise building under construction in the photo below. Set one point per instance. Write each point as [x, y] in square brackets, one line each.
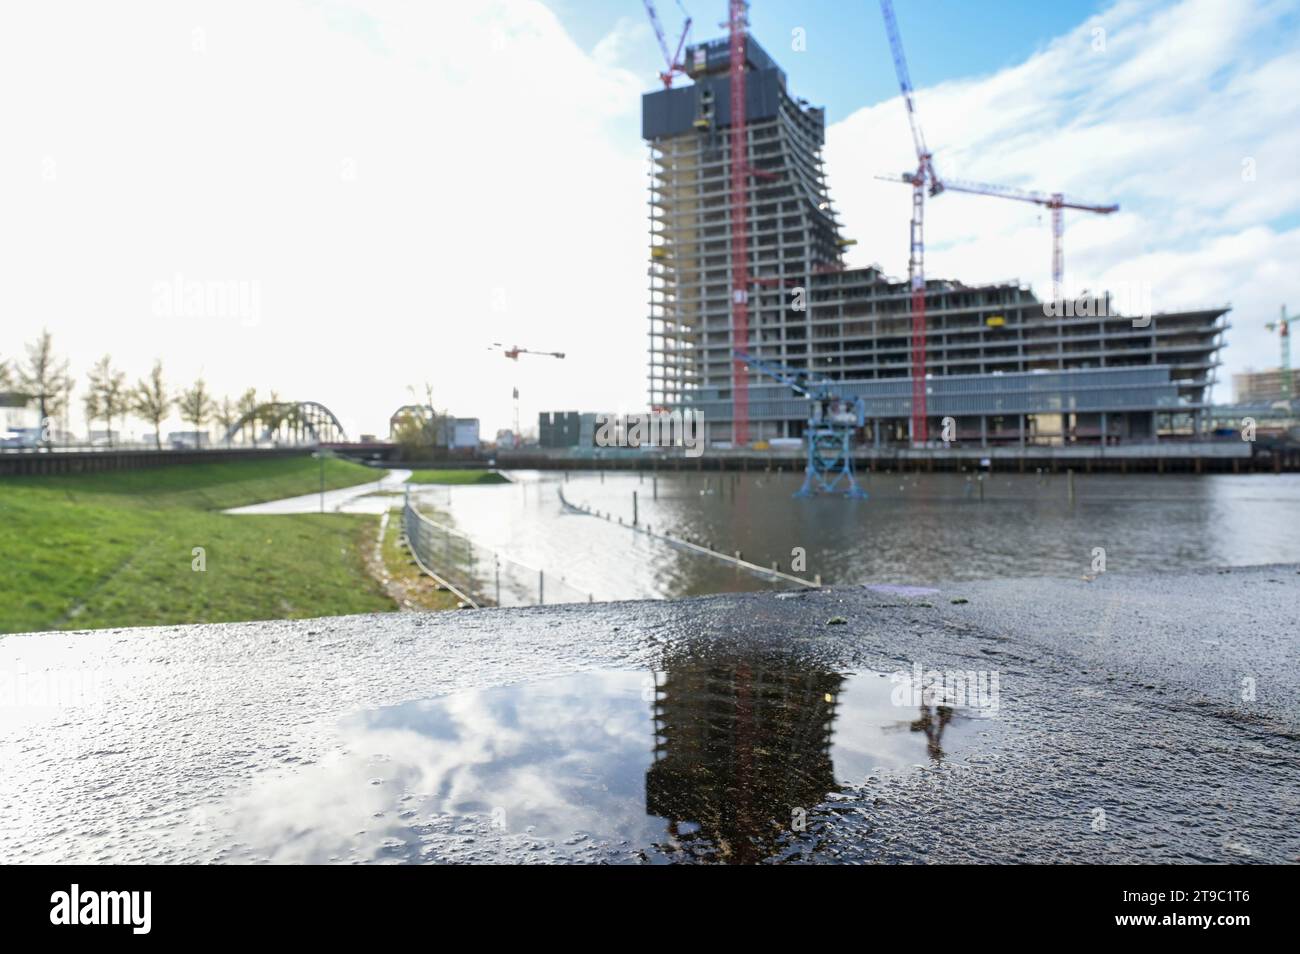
[999, 362]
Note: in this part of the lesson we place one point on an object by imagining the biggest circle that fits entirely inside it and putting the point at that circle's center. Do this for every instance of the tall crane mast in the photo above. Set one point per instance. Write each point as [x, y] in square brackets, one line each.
[1282, 327]
[921, 181]
[737, 23]
[673, 60]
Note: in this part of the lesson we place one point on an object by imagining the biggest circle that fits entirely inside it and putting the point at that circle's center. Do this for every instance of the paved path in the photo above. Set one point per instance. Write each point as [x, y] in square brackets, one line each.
[362, 498]
[1142, 718]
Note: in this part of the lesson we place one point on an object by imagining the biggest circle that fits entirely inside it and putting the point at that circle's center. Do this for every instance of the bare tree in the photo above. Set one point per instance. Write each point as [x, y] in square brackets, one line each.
[45, 379]
[94, 411]
[150, 402]
[108, 390]
[247, 405]
[273, 415]
[6, 378]
[195, 406]
[226, 413]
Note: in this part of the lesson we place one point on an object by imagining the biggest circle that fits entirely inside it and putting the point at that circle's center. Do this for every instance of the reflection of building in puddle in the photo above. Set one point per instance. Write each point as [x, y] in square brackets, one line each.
[742, 746]
[720, 765]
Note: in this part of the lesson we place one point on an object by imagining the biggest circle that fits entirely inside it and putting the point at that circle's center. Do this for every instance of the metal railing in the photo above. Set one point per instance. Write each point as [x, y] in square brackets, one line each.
[477, 574]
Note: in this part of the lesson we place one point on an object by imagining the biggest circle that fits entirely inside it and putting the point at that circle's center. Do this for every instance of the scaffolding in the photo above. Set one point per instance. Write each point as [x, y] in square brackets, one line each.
[792, 232]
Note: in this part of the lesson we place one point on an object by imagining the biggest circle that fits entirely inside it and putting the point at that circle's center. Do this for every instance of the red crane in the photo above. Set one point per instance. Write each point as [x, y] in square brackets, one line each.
[737, 24]
[673, 60]
[514, 352]
[924, 178]
[1055, 201]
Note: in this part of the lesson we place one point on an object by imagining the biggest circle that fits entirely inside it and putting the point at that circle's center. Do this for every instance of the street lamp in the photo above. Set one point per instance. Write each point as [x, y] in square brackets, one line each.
[320, 456]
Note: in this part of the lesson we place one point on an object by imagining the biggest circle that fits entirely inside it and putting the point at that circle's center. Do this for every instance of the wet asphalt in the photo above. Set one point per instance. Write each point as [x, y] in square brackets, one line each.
[1142, 718]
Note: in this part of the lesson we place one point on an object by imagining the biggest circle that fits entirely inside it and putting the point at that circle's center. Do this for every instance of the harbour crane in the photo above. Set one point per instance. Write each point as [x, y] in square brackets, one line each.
[828, 435]
[673, 60]
[513, 353]
[1282, 326]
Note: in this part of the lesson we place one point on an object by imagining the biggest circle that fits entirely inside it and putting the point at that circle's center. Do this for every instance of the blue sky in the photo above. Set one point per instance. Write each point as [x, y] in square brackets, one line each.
[847, 63]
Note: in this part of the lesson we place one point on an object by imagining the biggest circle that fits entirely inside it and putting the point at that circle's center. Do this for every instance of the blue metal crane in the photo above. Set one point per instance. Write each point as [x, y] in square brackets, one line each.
[828, 436]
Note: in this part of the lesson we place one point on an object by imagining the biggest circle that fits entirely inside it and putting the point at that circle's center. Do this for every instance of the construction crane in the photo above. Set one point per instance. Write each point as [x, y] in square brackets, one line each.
[673, 60]
[737, 23]
[828, 436]
[513, 353]
[926, 179]
[922, 180]
[1282, 326]
[1054, 201]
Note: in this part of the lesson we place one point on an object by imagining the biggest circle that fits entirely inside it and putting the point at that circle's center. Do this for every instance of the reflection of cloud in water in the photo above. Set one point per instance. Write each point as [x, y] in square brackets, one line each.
[724, 744]
[559, 757]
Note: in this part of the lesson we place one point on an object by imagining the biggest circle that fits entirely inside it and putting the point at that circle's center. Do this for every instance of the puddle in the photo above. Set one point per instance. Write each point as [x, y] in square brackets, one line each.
[704, 761]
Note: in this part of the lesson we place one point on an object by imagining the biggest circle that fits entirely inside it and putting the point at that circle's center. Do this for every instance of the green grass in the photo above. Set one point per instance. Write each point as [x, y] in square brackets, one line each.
[115, 549]
[457, 477]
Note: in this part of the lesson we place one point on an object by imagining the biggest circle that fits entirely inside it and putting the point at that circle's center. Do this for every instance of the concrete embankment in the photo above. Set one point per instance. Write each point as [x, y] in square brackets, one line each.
[1139, 718]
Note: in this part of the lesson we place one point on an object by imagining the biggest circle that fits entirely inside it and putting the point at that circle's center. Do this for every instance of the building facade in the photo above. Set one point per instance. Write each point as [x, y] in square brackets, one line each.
[1004, 364]
[1263, 387]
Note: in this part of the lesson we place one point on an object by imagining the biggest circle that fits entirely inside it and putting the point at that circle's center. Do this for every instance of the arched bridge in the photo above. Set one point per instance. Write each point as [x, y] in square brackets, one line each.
[287, 422]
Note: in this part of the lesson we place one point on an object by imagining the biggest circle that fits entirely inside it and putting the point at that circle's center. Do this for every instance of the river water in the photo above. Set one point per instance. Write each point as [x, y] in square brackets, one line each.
[913, 529]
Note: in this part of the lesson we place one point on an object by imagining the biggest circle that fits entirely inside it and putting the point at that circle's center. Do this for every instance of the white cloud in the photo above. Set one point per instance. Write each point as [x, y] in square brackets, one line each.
[1160, 121]
[387, 173]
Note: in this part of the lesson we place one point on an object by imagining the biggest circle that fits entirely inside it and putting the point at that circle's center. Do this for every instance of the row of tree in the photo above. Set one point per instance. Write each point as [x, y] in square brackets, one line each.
[43, 377]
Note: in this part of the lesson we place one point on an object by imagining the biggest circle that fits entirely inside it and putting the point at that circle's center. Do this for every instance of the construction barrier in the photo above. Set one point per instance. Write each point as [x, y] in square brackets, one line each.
[478, 575]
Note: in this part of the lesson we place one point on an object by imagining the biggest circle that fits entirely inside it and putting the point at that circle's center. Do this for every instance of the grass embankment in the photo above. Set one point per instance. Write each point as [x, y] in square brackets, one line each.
[457, 477]
[116, 549]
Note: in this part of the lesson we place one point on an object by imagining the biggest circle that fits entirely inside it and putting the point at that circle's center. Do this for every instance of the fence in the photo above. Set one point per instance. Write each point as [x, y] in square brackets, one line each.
[774, 573]
[481, 576]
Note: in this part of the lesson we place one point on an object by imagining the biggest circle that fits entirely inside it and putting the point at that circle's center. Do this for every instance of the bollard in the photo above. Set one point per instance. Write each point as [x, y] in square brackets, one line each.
[634, 510]
[541, 587]
[655, 484]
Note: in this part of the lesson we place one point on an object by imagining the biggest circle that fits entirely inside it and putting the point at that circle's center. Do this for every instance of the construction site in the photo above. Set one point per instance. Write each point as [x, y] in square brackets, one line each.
[747, 272]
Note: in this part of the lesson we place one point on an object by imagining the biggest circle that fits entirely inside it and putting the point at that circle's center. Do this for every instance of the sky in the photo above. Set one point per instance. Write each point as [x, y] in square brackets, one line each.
[344, 201]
